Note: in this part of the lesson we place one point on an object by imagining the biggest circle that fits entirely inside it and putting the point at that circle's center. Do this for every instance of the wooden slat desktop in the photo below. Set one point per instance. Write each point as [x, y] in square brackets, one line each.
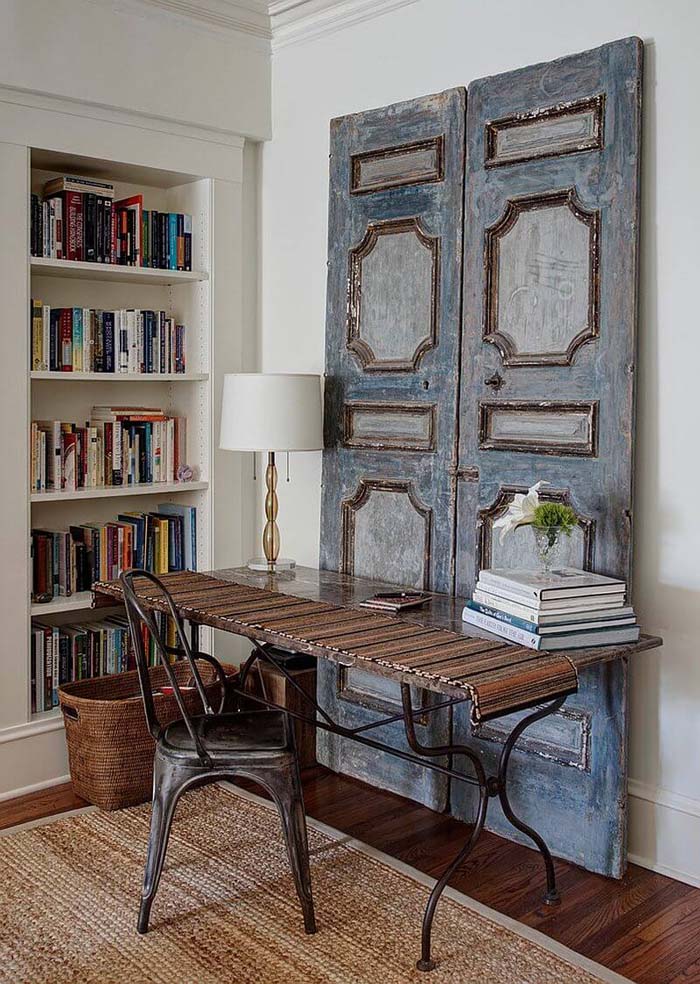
[317, 612]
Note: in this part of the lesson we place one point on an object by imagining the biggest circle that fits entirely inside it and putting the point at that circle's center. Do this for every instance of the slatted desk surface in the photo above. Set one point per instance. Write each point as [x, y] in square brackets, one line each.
[317, 612]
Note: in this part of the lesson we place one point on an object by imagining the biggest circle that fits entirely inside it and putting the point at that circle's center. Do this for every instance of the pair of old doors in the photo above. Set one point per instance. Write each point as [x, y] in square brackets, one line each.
[481, 337]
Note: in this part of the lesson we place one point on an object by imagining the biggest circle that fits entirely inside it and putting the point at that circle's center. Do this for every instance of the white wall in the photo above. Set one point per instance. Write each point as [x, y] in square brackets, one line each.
[131, 55]
[433, 45]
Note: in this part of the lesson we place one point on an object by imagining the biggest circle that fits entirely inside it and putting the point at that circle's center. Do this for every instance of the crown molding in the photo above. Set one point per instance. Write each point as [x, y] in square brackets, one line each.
[281, 22]
[247, 17]
[294, 21]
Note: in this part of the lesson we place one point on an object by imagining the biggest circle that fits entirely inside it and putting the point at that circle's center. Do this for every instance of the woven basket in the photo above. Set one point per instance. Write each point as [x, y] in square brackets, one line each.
[110, 749]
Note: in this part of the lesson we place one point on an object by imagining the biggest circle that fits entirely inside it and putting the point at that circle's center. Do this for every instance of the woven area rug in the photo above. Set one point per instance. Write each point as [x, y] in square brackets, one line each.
[227, 912]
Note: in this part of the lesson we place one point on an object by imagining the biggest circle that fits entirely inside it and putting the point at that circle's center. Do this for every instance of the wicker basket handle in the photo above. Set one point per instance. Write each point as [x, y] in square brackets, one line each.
[71, 712]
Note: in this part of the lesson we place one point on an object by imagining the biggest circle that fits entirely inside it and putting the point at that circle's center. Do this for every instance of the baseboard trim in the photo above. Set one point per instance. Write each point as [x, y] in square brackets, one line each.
[663, 869]
[664, 797]
[35, 787]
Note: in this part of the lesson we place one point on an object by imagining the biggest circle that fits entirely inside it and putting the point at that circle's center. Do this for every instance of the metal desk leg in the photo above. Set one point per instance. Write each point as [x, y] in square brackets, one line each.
[488, 787]
[552, 896]
[426, 963]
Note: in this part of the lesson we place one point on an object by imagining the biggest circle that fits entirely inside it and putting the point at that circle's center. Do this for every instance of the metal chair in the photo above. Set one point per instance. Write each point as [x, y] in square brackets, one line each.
[205, 748]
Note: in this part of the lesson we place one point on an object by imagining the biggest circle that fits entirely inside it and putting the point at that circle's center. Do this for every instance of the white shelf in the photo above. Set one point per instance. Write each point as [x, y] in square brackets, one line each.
[122, 377]
[73, 603]
[112, 491]
[45, 267]
[55, 714]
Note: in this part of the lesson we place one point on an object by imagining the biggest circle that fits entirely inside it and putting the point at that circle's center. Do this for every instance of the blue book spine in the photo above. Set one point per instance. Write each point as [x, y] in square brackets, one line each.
[193, 528]
[518, 623]
[53, 339]
[172, 240]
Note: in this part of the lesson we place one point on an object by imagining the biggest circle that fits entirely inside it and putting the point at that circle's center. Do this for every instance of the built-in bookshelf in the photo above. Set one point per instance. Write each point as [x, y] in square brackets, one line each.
[185, 295]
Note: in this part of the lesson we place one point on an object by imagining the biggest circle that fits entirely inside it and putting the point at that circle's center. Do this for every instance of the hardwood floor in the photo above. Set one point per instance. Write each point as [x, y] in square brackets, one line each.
[646, 927]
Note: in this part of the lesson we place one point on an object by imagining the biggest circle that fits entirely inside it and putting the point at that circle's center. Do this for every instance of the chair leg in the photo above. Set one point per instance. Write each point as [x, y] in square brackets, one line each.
[165, 796]
[285, 787]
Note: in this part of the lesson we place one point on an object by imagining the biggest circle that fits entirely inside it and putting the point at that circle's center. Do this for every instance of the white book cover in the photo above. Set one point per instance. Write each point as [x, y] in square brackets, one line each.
[572, 603]
[534, 613]
[562, 582]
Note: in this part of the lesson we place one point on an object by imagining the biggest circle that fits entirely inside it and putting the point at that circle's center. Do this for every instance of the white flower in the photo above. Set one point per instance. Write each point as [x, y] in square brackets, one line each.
[521, 511]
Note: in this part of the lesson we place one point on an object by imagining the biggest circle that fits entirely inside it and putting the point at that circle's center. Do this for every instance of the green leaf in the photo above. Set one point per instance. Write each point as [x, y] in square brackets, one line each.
[554, 515]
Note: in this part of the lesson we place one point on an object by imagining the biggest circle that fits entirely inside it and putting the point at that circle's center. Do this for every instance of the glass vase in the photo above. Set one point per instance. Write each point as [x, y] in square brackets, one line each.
[549, 547]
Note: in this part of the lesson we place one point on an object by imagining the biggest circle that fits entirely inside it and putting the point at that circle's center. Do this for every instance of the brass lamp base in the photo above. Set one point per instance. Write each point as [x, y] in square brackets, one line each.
[261, 564]
[271, 563]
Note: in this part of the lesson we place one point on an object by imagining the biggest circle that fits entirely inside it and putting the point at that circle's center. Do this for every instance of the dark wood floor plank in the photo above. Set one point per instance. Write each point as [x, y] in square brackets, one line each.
[646, 927]
[33, 806]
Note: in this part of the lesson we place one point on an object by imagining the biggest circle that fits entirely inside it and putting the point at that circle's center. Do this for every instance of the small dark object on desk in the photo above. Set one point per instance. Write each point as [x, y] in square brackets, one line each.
[396, 601]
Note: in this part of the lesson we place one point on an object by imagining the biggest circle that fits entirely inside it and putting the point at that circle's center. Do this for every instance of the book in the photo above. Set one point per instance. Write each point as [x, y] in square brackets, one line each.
[396, 601]
[555, 607]
[76, 183]
[574, 639]
[564, 582]
[548, 624]
[88, 340]
[189, 531]
[614, 618]
[129, 216]
[78, 219]
[68, 561]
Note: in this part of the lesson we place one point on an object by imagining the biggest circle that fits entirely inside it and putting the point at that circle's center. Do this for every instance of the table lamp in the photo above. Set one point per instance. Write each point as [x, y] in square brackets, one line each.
[271, 412]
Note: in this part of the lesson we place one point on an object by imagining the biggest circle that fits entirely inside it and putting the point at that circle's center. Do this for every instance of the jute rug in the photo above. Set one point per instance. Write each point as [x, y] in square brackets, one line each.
[227, 913]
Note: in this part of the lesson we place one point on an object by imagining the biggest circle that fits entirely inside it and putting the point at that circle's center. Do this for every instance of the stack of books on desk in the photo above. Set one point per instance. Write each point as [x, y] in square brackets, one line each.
[564, 609]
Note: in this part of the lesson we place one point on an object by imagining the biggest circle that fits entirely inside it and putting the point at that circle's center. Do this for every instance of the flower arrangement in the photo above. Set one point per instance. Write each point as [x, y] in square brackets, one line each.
[549, 520]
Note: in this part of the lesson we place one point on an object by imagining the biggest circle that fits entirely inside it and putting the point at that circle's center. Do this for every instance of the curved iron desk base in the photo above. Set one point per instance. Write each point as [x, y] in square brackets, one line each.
[489, 786]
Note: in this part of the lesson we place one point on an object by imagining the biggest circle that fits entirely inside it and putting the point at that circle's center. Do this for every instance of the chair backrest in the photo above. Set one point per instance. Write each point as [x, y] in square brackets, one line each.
[140, 615]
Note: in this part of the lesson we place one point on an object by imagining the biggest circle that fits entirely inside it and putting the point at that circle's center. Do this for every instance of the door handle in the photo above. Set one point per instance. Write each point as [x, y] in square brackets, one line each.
[495, 381]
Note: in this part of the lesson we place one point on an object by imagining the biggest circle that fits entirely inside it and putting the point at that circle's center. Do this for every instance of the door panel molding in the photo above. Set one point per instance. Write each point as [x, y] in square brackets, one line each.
[549, 277]
[350, 508]
[359, 255]
[420, 162]
[567, 128]
[377, 425]
[564, 738]
[555, 427]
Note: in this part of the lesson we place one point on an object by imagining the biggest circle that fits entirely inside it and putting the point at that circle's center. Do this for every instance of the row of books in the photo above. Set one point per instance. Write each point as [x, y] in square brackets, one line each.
[73, 339]
[117, 446]
[63, 653]
[78, 219]
[562, 609]
[65, 562]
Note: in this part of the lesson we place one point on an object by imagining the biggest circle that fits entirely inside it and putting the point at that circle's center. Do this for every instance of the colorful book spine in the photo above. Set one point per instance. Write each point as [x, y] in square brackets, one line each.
[520, 636]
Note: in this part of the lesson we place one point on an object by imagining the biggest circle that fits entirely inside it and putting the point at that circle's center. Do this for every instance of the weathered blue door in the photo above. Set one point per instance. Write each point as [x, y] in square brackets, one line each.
[392, 352]
[551, 230]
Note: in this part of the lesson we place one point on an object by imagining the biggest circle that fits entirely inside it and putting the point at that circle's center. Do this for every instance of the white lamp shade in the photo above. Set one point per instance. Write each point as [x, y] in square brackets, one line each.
[271, 412]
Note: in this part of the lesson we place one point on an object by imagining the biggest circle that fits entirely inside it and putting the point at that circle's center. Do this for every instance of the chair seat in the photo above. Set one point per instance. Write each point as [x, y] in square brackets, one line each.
[226, 735]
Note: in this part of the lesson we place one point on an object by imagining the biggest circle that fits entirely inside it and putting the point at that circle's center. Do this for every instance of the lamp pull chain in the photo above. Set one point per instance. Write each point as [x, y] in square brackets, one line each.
[255, 471]
[287, 465]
